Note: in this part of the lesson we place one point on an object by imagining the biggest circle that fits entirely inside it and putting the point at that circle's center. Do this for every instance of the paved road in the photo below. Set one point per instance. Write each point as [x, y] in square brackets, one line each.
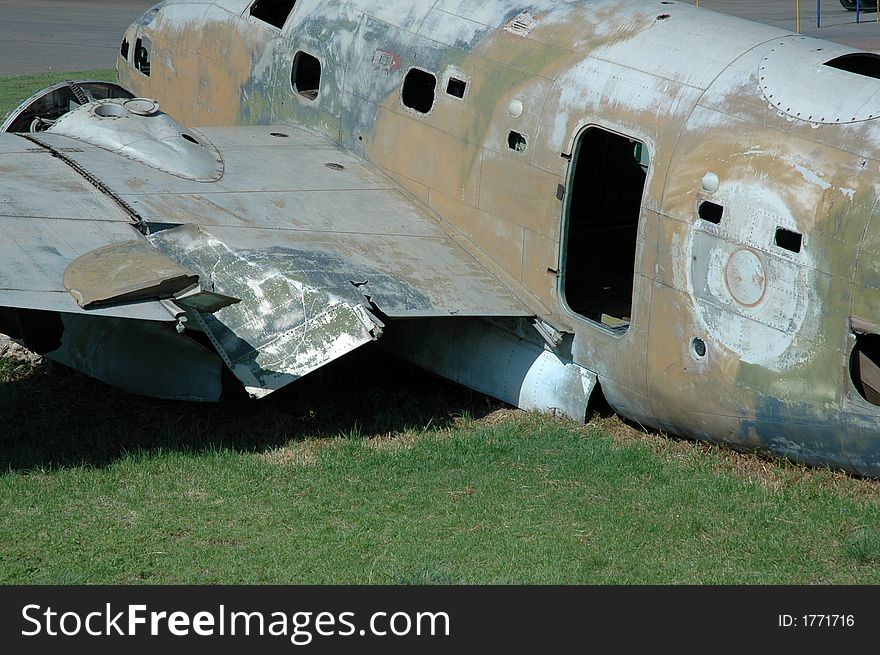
[837, 23]
[66, 35]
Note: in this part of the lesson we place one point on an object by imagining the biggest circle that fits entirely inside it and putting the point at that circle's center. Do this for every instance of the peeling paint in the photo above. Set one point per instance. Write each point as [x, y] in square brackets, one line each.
[283, 328]
[701, 93]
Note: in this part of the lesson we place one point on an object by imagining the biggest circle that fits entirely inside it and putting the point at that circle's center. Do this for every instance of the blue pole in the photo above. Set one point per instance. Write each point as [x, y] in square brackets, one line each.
[858, 12]
[818, 14]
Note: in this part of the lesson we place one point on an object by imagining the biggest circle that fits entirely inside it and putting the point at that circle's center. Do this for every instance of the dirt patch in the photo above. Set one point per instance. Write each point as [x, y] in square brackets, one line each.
[297, 454]
[13, 350]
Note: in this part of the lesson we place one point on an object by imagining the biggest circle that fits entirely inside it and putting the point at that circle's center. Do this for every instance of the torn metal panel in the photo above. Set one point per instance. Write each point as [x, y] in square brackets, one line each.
[284, 327]
[353, 202]
[202, 298]
[493, 358]
[44, 231]
[404, 276]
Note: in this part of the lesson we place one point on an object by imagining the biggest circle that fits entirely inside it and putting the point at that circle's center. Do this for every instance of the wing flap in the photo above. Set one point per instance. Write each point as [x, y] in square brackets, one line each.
[123, 273]
[284, 326]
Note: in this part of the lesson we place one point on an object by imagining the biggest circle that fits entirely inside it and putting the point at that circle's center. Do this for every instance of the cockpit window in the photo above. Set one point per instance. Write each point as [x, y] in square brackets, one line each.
[274, 12]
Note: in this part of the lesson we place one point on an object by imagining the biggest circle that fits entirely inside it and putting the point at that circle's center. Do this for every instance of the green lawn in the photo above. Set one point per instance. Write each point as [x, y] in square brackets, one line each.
[370, 471]
[13, 90]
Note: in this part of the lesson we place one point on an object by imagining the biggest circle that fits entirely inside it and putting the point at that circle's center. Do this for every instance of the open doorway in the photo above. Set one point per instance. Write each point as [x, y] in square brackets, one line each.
[602, 220]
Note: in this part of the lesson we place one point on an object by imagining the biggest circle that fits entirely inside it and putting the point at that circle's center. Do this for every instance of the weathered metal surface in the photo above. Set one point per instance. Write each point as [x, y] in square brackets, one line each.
[501, 359]
[305, 283]
[741, 323]
[49, 216]
[125, 272]
[285, 325]
[136, 129]
[115, 351]
[344, 225]
[796, 63]
[61, 301]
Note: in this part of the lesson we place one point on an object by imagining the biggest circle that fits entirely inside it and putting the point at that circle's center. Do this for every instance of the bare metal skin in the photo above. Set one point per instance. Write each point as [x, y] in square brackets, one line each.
[554, 198]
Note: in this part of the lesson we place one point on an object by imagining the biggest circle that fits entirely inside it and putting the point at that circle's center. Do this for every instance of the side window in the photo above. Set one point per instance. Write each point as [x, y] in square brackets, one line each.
[710, 212]
[419, 88]
[602, 220]
[456, 87]
[274, 12]
[306, 75]
[143, 49]
[517, 141]
[789, 240]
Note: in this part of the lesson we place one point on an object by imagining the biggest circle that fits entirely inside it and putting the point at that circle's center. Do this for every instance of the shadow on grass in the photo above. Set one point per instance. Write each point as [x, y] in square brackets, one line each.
[55, 417]
[864, 546]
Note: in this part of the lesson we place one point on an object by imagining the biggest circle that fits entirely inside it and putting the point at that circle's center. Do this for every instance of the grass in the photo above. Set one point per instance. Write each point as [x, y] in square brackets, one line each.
[369, 471]
[13, 90]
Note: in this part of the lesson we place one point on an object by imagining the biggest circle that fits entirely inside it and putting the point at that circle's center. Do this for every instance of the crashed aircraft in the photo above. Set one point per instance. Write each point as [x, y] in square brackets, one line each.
[544, 201]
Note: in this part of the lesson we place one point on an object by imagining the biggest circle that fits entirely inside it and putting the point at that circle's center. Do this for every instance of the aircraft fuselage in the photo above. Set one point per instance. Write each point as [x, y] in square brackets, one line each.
[692, 196]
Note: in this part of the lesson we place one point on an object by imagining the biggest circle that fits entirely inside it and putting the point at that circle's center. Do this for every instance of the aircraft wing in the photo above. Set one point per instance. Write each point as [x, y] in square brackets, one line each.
[284, 249]
[49, 216]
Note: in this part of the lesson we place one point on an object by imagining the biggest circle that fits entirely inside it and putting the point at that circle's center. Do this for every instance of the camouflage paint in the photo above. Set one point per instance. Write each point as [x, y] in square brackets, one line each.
[688, 84]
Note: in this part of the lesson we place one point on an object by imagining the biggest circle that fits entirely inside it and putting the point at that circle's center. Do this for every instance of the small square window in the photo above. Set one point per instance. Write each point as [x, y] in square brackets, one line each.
[456, 87]
[517, 142]
[711, 212]
[788, 240]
